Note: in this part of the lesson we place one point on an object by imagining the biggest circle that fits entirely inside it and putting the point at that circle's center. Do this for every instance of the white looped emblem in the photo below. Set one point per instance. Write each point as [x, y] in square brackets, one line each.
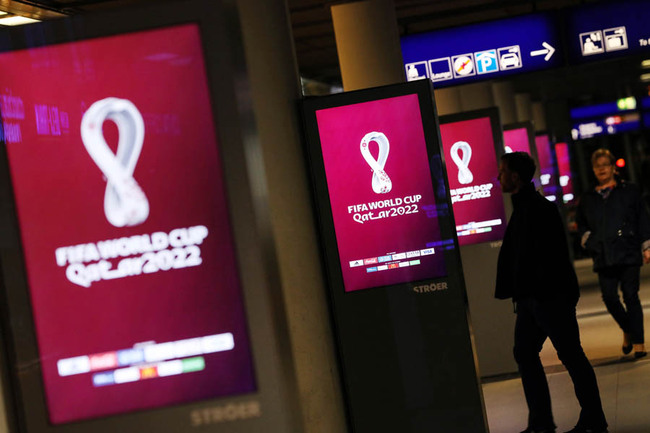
[464, 175]
[381, 183]
[125, 204]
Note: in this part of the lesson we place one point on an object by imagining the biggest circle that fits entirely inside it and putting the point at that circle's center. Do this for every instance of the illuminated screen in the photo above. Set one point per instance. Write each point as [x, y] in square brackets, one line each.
[124, 224]
[564, 167]
[516, 140]
[472, 169]
[381, 192]
[548, 172]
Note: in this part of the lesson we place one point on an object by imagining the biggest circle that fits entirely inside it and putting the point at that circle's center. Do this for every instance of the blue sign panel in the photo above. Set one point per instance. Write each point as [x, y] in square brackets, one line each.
[482, 51]
[602, 31]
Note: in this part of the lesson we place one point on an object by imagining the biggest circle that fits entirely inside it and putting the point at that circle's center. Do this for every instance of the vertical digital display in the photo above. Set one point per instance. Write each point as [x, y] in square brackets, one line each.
[381, 192]
[564, 168]
[548, 172]
[472, 168]
[516, 140]
[124, 223]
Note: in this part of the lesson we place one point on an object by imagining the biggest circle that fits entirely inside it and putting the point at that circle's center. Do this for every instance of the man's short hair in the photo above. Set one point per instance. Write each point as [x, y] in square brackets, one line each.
[599, 153]
[521, 163]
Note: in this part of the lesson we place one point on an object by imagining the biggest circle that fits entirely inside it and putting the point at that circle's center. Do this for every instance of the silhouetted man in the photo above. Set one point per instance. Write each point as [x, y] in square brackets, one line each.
[534, 269]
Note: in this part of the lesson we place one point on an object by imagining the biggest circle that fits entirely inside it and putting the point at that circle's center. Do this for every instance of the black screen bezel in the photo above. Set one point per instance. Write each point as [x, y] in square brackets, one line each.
[218, 23]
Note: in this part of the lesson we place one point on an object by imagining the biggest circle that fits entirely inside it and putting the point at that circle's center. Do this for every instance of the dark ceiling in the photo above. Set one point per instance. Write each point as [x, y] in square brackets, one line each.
[316, 48]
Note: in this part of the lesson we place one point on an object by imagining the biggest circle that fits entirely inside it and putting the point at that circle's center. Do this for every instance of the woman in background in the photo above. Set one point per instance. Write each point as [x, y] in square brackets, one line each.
[615, 230]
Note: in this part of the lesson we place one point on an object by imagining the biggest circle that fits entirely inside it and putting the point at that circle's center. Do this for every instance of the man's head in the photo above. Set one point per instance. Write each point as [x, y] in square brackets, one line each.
[602, 162]
[516, 169]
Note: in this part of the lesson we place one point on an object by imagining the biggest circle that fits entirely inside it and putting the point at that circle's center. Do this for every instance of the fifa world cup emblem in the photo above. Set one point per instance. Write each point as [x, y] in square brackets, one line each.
[464, 175]
[125, 204]
[381, 183]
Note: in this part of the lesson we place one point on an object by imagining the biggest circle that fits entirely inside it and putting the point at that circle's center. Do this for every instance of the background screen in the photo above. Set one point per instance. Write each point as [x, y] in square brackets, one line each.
[549, 176]
[472, 169]
[516, 140]
[124, 223]
[381, 192]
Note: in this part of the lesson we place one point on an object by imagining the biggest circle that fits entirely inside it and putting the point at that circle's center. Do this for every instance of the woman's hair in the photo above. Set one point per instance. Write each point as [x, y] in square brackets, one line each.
[602, 153]
[521, 163]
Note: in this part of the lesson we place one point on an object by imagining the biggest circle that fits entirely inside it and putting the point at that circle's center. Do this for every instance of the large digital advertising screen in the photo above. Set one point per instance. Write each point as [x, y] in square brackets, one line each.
[124, 221]
[471, 142]
[381, 192]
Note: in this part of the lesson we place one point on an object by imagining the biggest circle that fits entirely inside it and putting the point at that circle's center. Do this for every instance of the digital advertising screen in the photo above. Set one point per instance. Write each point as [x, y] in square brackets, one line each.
[564, 169]
[516, 140]
[520, 137]
[470, 142]
[124, 221]
[547, 166]
[381, 192]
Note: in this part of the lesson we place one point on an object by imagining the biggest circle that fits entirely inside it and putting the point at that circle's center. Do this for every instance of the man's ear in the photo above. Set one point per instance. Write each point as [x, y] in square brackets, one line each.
[516, 178]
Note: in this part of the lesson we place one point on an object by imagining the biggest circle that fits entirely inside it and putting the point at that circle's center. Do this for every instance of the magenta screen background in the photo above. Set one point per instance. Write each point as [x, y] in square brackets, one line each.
[484, 167]
[564, 167]
[59, 193]
[349, 180]
[517, 140]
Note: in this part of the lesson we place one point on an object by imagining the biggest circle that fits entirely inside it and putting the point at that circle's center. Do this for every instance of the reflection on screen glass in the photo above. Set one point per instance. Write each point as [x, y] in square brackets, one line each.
[472, 170]
[381, 192]
[123, 218]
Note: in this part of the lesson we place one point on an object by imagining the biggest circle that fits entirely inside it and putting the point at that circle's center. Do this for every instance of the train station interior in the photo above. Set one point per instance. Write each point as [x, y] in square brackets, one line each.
[302, 50]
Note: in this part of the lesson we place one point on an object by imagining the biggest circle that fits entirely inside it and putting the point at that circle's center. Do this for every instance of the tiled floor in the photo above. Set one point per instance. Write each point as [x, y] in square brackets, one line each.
[624, 383]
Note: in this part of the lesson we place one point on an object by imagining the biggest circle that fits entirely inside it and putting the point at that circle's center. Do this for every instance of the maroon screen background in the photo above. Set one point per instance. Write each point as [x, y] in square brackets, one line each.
[349, 180]
[484, 167]
[60, 193]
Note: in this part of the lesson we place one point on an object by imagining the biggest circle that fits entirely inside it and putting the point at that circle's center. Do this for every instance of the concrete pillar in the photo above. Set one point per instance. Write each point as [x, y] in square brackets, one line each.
[448, 100]
[522, 104]
[290, 224]
[503, 94]
[476, 96]
[367, 41]
[539, 116]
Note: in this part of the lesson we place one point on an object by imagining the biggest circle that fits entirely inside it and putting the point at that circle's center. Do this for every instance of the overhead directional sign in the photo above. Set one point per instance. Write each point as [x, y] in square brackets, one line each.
[482, 51]
[607, 30]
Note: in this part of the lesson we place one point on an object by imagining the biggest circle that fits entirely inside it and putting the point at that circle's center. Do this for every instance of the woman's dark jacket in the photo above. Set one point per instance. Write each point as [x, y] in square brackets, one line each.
[534, 259]
[619, 224]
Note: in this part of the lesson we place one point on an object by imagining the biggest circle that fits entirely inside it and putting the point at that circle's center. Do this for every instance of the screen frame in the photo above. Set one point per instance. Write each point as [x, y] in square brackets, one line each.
[499, 148]
[317, 168]
[274, 405]
[377, 329]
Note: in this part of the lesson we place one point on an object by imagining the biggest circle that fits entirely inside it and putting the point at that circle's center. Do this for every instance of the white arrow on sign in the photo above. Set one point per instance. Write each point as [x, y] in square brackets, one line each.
[548, 51]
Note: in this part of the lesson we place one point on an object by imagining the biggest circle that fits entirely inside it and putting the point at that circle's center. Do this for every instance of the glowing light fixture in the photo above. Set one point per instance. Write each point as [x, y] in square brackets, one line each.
[16, 21]
[620, 163]
[645, 77]
[628, 103]
[645, 64]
